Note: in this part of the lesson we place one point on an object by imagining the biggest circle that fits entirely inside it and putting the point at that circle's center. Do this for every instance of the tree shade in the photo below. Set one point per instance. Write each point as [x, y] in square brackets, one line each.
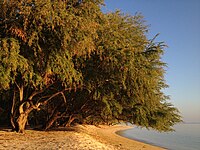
[66, 61]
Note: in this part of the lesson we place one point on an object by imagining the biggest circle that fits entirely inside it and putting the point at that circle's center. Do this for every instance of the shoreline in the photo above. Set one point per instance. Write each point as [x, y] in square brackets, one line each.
[120, 133]
[80, 137]
[110, 135]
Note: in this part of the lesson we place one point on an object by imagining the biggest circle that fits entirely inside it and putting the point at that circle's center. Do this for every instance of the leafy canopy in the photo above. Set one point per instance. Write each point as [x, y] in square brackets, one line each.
[56, 45]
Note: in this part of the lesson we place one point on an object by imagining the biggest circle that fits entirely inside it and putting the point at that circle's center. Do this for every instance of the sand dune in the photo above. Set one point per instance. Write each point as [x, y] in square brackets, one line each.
[75, 138]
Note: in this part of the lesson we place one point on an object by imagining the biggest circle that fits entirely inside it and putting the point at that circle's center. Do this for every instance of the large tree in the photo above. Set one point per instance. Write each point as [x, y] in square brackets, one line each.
[75, 63]
[37, 43]
[126, 76]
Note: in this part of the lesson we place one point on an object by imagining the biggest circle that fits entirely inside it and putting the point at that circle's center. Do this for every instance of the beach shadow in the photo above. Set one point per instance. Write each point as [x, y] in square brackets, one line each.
[55, 129]
[6, 129]
[62, 129]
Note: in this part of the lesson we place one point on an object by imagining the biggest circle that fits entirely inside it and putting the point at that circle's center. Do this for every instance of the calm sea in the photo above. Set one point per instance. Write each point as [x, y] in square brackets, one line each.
[186, 137]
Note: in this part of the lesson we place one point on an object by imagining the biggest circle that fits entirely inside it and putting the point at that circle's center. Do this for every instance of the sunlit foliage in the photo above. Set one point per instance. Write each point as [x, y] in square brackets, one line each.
[66, 61]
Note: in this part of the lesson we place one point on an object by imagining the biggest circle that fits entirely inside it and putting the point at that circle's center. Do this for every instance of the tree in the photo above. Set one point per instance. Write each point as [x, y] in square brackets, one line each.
[72, 63]
[37, 43]
[125, 77]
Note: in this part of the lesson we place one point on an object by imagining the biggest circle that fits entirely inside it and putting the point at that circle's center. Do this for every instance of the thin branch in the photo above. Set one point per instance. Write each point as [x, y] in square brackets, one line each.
[36, 106]
[17, 85]
[84, 104]
[64, 98]
[34, 93]
[12, 110]
[55, 94]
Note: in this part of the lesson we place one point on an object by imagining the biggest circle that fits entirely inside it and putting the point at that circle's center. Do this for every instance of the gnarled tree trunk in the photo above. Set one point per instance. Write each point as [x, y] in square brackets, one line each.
[23, 116]
[72, 118]
[52, 119]
[54, 116]
[23, 110]
[21, 122]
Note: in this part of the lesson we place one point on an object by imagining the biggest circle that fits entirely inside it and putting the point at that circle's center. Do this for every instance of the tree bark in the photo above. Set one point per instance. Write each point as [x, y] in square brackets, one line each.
[24, 109]
[54, 116]
[52, 119]
[21, 122]
[71, 119]
[12, 115]
[23, 117]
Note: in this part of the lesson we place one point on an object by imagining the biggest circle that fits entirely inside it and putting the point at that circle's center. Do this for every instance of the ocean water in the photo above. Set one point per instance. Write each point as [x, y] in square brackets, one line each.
[186, 137]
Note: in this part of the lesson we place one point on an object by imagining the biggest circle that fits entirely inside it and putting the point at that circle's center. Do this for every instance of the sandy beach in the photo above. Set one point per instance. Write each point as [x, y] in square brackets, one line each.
[75, 138]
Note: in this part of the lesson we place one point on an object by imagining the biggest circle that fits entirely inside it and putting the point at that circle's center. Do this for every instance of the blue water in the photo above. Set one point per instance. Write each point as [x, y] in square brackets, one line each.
[186, 137]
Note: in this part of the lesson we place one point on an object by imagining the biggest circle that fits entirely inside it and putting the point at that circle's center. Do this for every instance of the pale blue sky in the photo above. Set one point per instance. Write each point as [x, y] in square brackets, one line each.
[178, 22]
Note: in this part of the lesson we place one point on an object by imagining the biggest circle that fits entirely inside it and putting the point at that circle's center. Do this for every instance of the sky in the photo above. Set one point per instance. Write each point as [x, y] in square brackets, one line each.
[178, 22]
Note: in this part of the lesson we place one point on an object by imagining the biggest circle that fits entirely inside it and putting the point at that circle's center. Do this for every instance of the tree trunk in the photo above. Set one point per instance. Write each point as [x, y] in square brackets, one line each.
[24, 109]
[21, 122]
[12, 121]
[23, 117]
[54, 116]
[71, 119]
[12, 114]
[52, 119]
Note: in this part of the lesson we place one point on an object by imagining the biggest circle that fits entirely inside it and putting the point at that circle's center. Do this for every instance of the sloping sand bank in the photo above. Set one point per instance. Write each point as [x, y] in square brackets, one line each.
[76, 138]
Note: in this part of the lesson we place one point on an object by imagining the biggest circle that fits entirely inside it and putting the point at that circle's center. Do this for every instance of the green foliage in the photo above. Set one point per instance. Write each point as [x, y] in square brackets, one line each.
[48, 34]
[77, 60]
[127, 76]
[11, 62]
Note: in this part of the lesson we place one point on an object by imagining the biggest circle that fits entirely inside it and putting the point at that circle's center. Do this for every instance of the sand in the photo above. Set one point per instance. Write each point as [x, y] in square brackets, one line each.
[76, 138]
